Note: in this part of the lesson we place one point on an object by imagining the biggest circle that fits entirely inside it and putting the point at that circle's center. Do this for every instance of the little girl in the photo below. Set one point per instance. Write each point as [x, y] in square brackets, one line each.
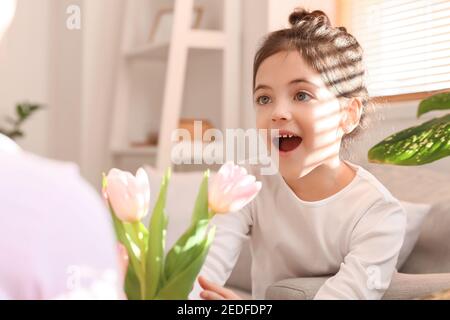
[319, 215]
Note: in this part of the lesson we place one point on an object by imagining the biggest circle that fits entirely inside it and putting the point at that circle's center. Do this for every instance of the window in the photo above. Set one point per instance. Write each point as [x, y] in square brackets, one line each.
[406, 43]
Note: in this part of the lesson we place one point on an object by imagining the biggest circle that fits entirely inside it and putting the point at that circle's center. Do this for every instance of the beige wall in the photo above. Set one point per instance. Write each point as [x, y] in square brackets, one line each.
[65, 74]
[40, 61]
[24, 64]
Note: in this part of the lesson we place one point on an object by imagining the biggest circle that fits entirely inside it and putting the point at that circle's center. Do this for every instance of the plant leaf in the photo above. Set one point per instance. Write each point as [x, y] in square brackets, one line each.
[21, 112]
[131, 231]
[132, 285]
[156, 242]
[179, 286]
[414, 146]
[25, 110]
[201, 203]
[124, 239]
[186, 249]
[440, 101]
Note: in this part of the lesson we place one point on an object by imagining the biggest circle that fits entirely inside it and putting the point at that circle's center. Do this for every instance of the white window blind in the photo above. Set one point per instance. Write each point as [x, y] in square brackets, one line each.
[406, 43]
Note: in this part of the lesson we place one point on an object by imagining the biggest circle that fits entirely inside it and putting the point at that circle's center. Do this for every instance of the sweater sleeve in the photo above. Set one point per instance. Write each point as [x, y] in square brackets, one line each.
[232, 229]
[372, 256]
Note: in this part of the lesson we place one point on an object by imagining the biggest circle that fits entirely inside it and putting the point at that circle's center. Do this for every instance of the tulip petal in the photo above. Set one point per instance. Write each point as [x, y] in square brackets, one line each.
[129, 195]
[232, 188]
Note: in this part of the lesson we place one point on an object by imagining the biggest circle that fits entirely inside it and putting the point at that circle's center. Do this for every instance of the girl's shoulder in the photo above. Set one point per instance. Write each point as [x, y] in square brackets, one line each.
[372, 184]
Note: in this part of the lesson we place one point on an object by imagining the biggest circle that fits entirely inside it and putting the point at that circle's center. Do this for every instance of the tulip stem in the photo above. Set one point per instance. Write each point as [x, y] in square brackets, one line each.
[211, 214]
[142, 256]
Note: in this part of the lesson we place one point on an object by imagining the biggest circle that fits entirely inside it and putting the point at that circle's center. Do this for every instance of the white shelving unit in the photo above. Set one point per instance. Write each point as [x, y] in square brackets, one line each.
[174, 54]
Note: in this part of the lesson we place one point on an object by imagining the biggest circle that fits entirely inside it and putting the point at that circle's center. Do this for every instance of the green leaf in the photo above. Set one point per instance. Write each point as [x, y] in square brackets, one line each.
[21, 112]
[145, 234]
[439, 101]
[132, 285]
[179, 286]
[134, 229]
[125, 240]
[414, 146]
[201, 203]
[186, 249]
[25, 110]
[156, 242]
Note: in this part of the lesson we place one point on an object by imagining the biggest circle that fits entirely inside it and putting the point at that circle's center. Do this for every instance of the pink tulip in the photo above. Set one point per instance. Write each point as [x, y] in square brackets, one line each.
[231, 189]
[129, 195]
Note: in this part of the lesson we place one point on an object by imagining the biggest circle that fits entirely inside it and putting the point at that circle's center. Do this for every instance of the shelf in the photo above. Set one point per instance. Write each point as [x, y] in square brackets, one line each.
[206, 39]
[152, 51]
[152, 151]
[197, 39]
[175, 53]
[135, 151]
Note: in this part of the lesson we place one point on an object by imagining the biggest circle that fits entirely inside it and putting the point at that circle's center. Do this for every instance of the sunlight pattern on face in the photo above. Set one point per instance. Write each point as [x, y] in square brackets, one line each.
[317, 120]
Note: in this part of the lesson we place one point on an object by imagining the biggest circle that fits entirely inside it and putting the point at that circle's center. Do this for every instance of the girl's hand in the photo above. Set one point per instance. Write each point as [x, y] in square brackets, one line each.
[213, 291]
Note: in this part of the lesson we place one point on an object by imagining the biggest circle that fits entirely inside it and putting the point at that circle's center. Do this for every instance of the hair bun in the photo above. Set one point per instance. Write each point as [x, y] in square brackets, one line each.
[317, 16]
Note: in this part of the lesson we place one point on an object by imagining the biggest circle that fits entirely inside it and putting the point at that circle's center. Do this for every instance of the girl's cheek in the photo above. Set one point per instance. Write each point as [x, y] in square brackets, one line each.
[263, 120]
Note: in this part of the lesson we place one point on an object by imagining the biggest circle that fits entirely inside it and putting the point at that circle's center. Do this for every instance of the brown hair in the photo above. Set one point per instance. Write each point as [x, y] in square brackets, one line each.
[331, 51]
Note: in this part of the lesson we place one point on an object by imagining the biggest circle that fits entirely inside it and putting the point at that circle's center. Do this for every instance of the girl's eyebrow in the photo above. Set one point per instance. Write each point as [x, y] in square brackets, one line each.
[303, 80]
[261, 86]
[264, 86]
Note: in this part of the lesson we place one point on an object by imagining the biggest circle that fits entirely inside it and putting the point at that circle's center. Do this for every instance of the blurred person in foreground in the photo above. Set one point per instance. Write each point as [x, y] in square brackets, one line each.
[57, 239]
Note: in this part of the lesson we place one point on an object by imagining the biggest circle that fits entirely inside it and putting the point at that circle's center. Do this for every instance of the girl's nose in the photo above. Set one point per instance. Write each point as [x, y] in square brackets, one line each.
[281, 112]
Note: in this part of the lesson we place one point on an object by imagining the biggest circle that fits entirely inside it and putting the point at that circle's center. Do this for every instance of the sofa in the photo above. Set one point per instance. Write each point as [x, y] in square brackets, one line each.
[426, 269]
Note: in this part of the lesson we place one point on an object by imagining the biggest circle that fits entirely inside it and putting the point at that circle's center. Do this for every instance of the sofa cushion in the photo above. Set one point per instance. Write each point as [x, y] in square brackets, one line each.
[416, 214]
[403, 286]
[431, 253]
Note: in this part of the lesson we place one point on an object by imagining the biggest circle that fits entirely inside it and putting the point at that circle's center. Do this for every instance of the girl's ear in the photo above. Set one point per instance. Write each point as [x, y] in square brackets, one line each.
[351, 115]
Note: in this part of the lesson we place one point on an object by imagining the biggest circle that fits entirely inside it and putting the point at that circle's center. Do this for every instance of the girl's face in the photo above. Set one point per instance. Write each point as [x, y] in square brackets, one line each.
[290, 96]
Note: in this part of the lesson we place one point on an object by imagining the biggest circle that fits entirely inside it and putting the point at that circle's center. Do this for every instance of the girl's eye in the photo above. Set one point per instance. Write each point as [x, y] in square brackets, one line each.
[263, 100]
[302, 96]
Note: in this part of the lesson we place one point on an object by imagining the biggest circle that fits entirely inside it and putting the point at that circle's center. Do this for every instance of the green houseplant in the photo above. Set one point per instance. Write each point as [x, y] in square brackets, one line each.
[421, 144]
[23, 112]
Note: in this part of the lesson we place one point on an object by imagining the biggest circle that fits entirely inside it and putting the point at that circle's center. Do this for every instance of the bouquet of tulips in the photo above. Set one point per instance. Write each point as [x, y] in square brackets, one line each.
[151, 274]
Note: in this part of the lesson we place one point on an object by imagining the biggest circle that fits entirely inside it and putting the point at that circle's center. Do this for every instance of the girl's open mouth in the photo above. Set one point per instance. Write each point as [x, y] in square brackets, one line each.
[287, 142]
